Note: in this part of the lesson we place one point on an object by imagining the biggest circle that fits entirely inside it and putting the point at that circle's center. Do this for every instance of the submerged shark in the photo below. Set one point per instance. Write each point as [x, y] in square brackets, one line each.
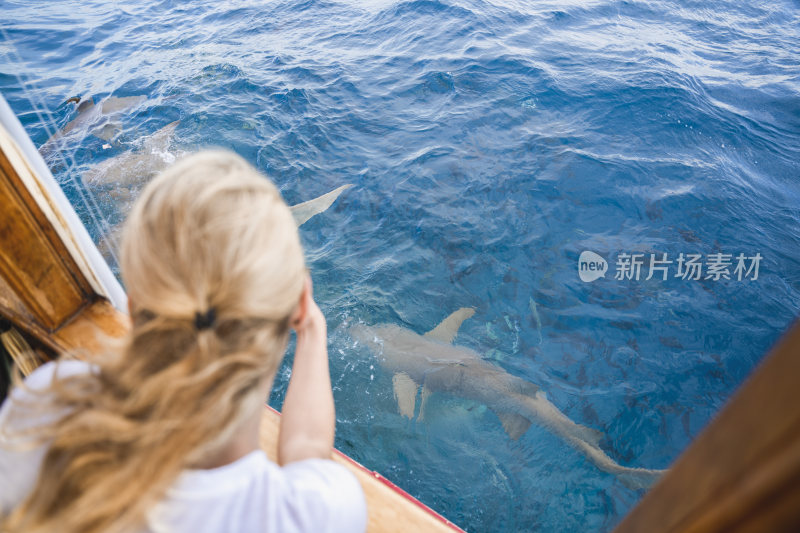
[100, 119]
[136, 166]
[432, 362]
[302, 213]
[123, 174]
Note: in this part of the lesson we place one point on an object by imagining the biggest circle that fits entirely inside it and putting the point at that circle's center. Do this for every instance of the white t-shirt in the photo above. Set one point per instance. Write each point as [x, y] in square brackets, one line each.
[252, 494]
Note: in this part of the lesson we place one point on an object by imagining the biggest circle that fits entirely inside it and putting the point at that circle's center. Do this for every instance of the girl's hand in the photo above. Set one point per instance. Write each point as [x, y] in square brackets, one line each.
[310, 321]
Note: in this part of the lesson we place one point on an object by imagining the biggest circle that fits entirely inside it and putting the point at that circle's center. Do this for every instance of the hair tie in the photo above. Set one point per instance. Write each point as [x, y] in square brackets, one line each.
[205, 320]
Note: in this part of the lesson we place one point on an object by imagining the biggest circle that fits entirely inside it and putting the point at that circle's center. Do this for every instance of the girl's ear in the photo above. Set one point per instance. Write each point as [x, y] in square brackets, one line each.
[300, 312]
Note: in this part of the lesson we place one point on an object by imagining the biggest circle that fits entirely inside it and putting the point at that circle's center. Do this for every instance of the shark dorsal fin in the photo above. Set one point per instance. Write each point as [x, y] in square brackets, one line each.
[304, 211]
[159, 140]
[446, 331]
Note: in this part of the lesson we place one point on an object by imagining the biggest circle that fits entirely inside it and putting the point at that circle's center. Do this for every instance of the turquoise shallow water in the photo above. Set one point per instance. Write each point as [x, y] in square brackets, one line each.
[489, 144]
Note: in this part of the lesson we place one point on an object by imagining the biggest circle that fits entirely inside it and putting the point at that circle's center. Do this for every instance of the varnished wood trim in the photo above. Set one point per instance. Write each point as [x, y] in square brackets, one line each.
[33, 259]
[98, 328]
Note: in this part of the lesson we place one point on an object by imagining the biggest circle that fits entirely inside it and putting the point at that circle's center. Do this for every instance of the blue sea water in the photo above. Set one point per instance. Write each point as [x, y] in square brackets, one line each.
[490, 143]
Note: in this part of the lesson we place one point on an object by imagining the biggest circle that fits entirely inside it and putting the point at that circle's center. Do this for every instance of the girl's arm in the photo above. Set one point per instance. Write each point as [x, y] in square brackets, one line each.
[308, 419]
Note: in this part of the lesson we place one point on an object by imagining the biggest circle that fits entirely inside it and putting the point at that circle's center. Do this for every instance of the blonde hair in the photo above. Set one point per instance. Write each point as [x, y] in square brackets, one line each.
[210, 238]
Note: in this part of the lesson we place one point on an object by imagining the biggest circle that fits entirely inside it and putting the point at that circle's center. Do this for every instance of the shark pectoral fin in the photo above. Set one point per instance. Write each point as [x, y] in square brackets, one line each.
[515, 425]
[405, 392]
[448, 328]
[304, 211]
[426, 392]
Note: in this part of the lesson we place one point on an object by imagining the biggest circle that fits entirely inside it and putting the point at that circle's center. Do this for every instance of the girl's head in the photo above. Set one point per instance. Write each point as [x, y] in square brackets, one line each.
[211, 232]
[210, 255]
[213, 266]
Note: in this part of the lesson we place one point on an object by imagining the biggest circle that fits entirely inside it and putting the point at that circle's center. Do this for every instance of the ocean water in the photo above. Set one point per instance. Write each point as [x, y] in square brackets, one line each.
[489, 144]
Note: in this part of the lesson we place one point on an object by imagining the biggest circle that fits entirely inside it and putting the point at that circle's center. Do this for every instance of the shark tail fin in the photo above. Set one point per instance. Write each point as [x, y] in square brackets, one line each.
[639, 478]
[589, 435]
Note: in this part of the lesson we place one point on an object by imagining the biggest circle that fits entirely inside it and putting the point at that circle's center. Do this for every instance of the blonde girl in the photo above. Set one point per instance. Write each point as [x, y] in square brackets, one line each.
[163, 436]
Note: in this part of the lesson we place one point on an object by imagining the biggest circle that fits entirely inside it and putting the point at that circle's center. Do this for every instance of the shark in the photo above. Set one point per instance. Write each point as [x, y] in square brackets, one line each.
[138, 166]
[122, 174]
[100, 119]
[302, 213]
[432, 362]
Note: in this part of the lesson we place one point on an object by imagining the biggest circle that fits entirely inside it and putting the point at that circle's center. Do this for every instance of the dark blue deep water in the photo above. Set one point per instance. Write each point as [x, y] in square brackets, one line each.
[490, 143]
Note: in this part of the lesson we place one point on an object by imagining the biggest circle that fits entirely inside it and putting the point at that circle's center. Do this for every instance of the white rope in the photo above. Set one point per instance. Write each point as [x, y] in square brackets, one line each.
[89, 201]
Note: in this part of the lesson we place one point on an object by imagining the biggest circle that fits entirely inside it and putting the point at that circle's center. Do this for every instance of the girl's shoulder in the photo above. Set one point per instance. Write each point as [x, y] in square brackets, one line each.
[43, 376]
[21, 409]
[26, 408]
